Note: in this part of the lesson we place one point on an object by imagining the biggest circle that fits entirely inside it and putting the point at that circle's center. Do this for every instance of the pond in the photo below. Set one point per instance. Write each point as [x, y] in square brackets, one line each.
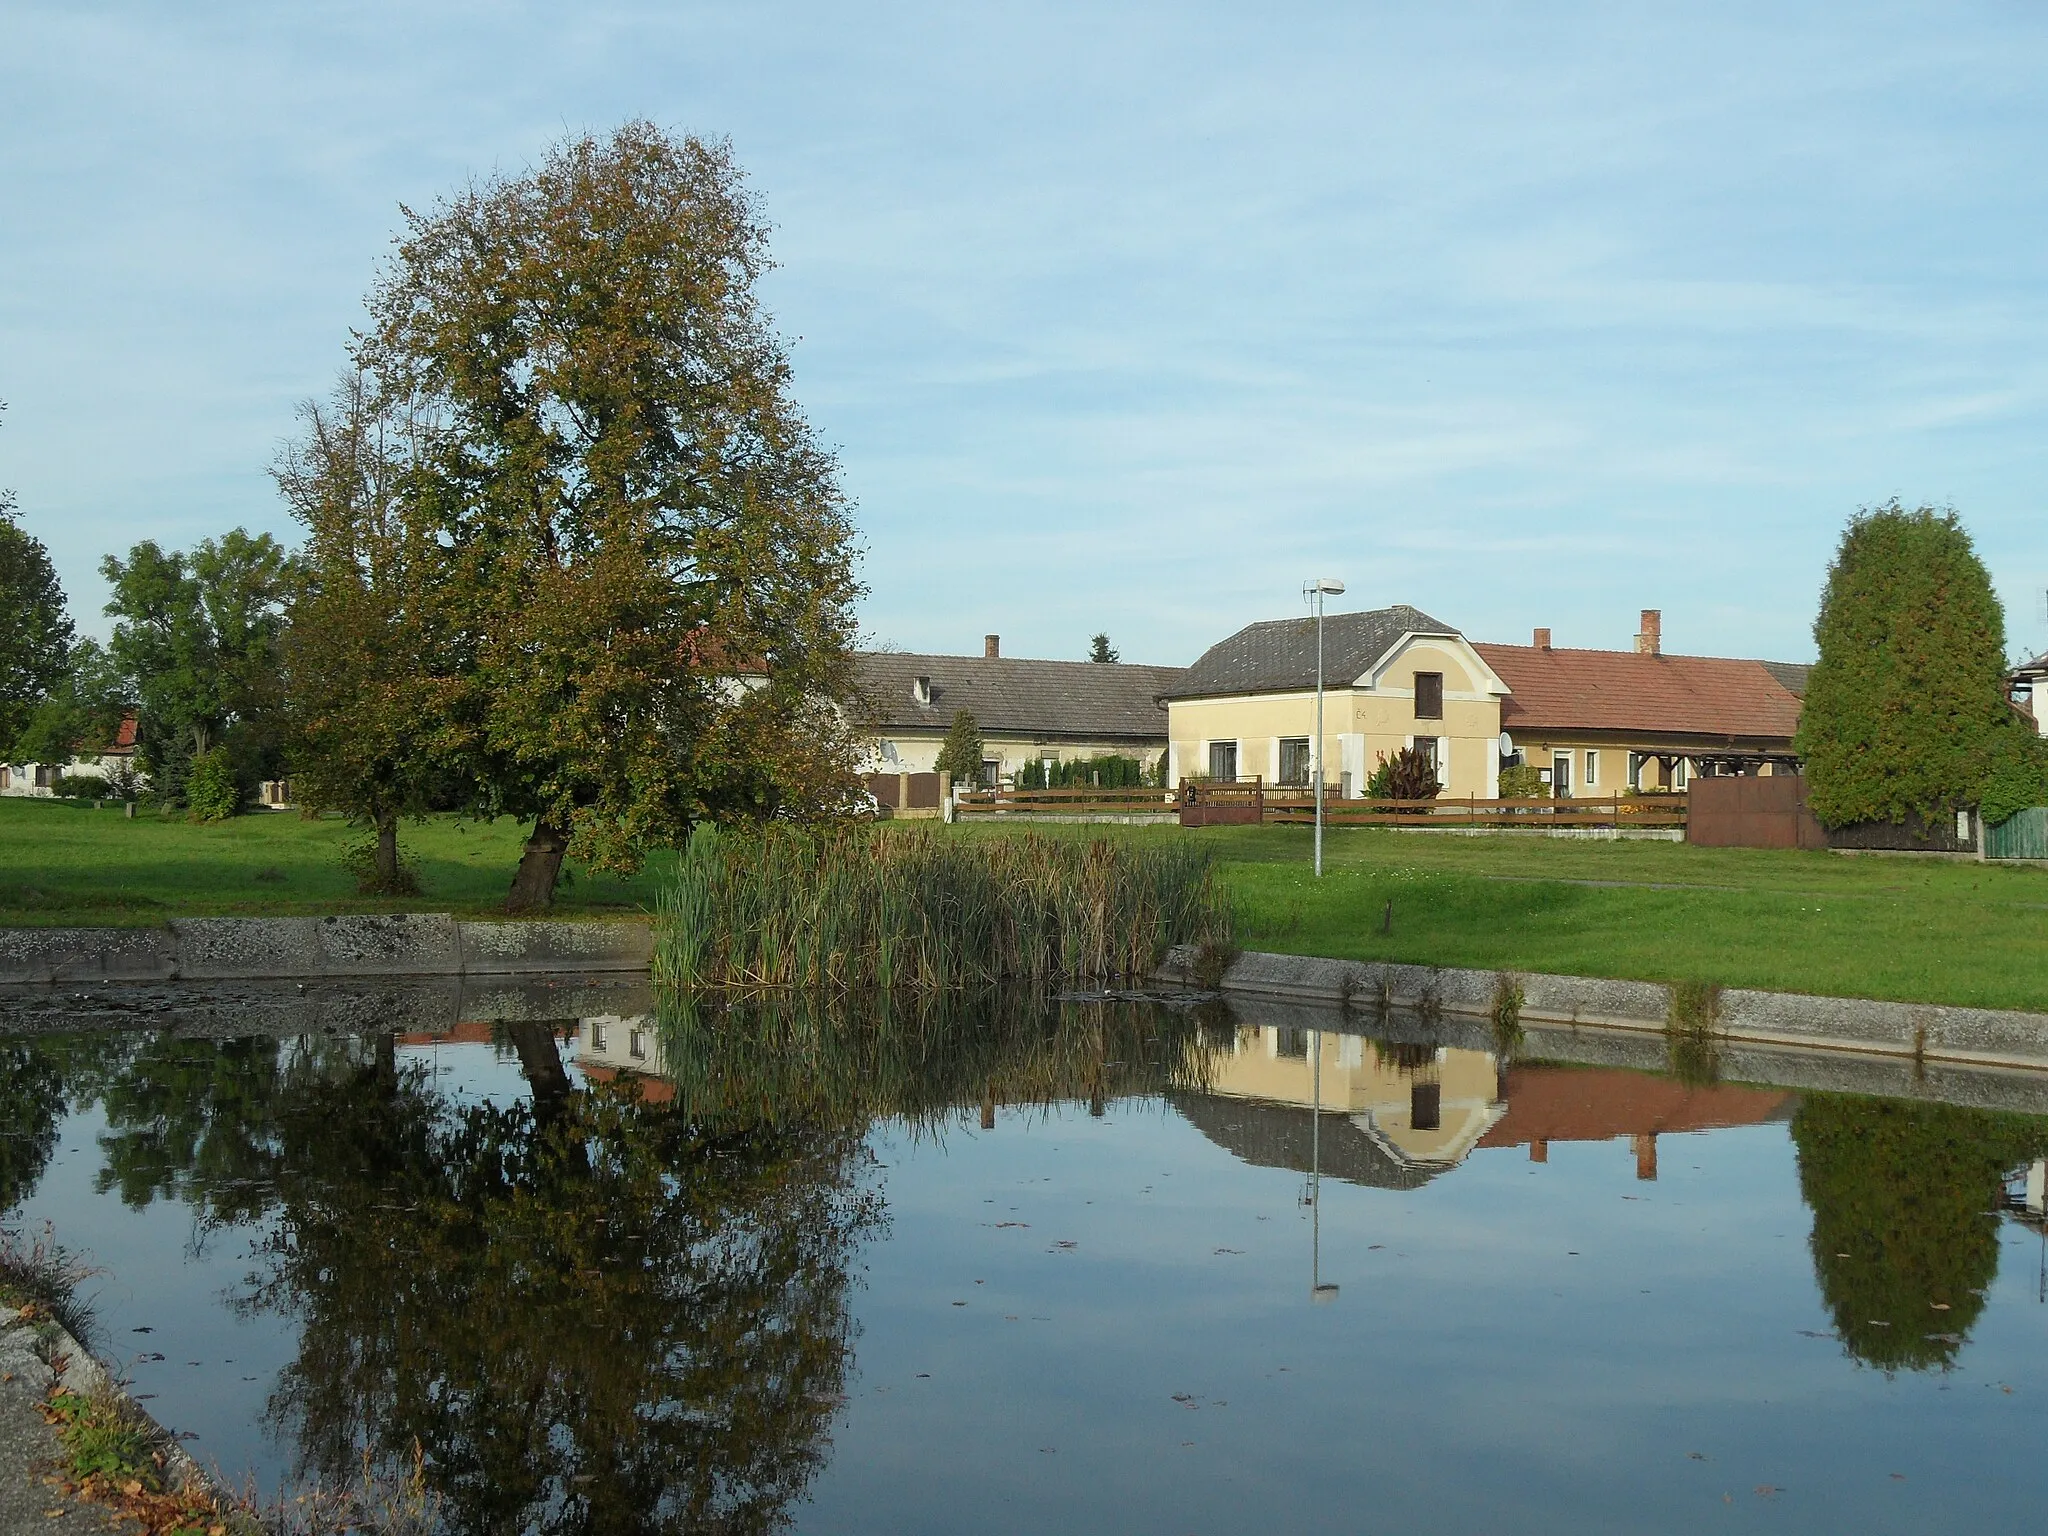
[1110, 1266]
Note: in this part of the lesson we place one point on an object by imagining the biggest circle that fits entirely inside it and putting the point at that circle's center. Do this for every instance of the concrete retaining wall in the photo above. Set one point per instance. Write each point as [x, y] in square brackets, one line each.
[295, 948]
[1985, 1036]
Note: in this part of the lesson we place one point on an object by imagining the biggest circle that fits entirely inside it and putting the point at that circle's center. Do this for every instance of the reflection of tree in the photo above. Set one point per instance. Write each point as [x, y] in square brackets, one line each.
[31, 1103]
[192, 1120]
[1900, 1194]
[610, 1318]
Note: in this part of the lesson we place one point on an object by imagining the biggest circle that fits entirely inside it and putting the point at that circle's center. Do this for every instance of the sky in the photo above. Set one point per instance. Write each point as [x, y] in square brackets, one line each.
[1130, 317]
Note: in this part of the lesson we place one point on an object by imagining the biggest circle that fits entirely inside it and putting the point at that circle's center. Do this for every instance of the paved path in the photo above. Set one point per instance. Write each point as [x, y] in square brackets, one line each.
[28, 1446]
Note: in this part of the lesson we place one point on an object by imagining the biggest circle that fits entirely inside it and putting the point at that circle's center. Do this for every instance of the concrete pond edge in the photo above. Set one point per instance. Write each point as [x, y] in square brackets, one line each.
[308, 948]
[39, 1354]
[1917, 1031]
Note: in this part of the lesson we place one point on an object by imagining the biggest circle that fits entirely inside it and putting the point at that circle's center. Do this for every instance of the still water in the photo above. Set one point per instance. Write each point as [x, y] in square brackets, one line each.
[1091, 1268]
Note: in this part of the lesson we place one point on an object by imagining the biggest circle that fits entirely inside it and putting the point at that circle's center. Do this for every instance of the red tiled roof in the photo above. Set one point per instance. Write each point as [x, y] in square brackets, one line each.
[1628, 691]
[1599, 1104]
[124, 736]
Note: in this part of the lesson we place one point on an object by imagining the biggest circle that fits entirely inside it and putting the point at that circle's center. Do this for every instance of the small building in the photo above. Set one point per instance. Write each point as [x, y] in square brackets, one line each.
[1598, 722]
[116, 760]
[1392, 678]
[2026, 688]
[1028, 711]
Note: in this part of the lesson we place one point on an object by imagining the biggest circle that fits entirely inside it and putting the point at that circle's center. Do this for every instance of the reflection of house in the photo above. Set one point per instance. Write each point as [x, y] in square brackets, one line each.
[1028, 711]
[1393, 678]
[1413, 1108]
[1554, 1103]
[38, 780]
[1395, 1115]
[1597, 722]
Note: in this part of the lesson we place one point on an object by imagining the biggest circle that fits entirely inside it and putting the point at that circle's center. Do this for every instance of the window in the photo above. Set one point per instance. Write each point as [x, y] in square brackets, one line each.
[1294, 764]
[1592, 770]
[636, 1045]
[991, 771]
[1635, 770]
[1223, 761]
[1682, 774]
[1426, 745]
[1289, 1041]
[1560, 774]
[597, 1037]
[1429, 695]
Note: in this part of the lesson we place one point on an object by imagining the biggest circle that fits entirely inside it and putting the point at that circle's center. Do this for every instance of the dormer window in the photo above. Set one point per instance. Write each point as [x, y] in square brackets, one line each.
[921, 689]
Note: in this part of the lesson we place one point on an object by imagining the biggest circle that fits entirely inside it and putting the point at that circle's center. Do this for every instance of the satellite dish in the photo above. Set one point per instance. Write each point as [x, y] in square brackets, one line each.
[1507, 745]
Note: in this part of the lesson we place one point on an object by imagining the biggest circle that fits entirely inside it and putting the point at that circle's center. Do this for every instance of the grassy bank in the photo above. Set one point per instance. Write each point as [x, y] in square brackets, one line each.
[65, 864]
[1910, 930]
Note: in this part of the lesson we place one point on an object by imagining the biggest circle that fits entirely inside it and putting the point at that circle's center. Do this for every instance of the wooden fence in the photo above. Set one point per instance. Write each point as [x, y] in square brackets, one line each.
[1660, 811]
[1091, 800]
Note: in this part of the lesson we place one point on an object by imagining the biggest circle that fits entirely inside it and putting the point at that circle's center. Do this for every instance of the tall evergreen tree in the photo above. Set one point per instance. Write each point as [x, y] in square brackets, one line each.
[960, 752]
[1099, 649]
[1905, 705]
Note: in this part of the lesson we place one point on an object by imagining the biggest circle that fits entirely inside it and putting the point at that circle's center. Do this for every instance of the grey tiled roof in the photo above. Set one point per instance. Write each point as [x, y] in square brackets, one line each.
[1791, 675]
[1280, 654]
[1047, 700]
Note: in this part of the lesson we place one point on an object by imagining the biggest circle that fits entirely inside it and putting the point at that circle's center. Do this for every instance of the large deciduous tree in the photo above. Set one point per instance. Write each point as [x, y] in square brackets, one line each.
[370, 656]
[35, 632]
[196, 640]
[648, 559]
[1904, 708]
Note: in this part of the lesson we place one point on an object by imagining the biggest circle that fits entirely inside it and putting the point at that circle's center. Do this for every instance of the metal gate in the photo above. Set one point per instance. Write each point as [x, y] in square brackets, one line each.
[2022, 835]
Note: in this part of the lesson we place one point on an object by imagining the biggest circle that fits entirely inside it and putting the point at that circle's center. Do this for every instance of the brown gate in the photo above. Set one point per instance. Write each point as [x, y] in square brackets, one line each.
[1752, 813]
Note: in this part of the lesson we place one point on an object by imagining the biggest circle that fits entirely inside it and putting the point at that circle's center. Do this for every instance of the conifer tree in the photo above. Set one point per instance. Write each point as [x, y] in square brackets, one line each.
[1904, 708]
[960, 753]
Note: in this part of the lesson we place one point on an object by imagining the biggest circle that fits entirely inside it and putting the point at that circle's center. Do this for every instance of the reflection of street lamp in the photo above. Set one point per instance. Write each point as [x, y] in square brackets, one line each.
[1317, 589]
[1317, 1291]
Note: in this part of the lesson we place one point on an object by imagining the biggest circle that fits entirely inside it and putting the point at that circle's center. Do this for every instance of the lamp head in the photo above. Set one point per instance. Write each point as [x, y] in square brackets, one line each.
[1328, 586]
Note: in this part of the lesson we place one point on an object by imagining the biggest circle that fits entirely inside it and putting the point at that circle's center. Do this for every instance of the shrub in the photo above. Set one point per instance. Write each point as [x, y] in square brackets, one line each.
[1407, 775]
[1523, 781]
[2016, 774]
[213, 790]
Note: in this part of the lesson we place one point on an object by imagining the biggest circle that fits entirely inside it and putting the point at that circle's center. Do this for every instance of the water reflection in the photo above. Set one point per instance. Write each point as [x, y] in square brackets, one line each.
[622, 1300]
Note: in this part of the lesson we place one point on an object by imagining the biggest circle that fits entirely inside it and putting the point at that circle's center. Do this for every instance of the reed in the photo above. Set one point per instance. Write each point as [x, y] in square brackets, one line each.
[882, 910]
[924, 1060]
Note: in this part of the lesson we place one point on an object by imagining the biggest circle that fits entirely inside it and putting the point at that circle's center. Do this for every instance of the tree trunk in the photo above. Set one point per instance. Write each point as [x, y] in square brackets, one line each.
[533, 887]
[540, 1060]
[387, 1065]
[387, 854]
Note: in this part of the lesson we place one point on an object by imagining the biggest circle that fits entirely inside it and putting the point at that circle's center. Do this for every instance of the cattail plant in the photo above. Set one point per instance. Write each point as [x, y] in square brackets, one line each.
[865, 909]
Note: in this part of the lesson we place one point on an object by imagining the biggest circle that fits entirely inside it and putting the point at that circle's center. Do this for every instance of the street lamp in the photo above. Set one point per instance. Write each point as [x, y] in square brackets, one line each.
[1317, 590]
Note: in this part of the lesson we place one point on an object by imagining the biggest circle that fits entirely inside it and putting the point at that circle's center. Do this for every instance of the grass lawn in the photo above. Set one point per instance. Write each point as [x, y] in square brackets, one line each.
[1908, 929]
[65, 864]
[1915, 930]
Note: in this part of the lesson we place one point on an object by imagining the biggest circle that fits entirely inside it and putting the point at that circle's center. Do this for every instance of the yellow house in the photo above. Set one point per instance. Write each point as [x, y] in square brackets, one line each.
[1392, 678]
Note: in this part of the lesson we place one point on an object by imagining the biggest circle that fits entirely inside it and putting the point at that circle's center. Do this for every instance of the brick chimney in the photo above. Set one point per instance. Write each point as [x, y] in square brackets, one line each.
[991, 647]
[1650, 639]
[1542, 639]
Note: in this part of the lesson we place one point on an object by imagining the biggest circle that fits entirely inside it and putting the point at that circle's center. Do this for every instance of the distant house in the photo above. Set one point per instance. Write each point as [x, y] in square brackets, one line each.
[38, 780]
[2026, 686]
[1393, 678]
[1028, 711]
[1596, 722]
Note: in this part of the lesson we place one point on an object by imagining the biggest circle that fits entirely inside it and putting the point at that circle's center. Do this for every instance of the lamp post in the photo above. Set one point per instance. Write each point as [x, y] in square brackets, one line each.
[1321, 587]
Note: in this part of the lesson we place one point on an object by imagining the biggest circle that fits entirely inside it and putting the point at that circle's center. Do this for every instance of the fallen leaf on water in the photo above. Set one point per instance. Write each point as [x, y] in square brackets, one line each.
[1697, 1455]
[1230, 1250]
[1765, 1490]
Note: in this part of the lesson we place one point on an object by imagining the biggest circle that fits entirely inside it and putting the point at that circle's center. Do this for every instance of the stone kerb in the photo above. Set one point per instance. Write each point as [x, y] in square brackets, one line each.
[1991, 1037]
[304, 948]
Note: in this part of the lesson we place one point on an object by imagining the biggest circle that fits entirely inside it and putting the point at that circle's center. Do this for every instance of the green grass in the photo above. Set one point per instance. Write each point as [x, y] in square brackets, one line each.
[1914, 930]
[1906, 929]
[65, 864]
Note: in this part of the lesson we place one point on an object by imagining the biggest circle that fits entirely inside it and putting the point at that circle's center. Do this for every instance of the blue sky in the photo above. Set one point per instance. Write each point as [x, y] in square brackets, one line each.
[1131, 317]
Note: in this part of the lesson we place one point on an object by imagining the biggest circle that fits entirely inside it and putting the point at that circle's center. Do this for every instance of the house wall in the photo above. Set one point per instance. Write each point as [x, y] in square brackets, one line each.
[918, 751]
[18, 780]
[1363, 720]
[1613, 756]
